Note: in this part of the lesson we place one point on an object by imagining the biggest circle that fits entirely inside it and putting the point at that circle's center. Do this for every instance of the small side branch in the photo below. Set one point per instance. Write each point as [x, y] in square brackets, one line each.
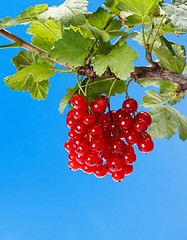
[28, 46]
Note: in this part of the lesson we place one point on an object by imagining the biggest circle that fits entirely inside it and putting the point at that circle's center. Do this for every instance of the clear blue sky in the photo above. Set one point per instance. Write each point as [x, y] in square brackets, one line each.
[41, 199]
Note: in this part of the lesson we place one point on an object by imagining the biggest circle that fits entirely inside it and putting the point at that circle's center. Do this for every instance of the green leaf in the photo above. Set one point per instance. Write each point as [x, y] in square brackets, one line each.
[177, 13]
[31, 14]
[97, 33]
[71, 49]
[140, 10]
[100, 19]
[166, 120]
[27, 16]
[103, 85]
[7, 22]
[65, 100]
[119, 59]
[171, 55]
[45, 34]
[71, 12]
[111, 5]
[31, 75]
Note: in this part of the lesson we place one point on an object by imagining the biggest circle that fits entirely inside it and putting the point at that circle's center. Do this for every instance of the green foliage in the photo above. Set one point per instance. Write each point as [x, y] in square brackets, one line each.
[32, 75]
[70, 12]
[177, 14]
[45, 33]
[98, 44]
[122, 68]
[171, 56]
[65, 100]
[166, 120]
[71, 49]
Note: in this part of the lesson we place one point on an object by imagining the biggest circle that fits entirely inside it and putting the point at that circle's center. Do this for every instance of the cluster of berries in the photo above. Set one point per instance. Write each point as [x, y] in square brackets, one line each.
[103, 142]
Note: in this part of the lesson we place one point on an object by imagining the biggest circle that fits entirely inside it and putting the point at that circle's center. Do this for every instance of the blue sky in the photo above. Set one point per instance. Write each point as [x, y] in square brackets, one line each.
[41, 199]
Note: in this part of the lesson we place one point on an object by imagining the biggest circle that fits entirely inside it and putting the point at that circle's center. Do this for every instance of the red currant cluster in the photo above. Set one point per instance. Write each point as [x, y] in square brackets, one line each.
[103, 142]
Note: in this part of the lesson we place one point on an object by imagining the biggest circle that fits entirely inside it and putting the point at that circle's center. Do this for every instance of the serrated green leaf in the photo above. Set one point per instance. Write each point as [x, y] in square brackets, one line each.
[71, 49]
[71, 12]
[7, 22]
[177, 13]
[97, 33]
[111, 5]
[27, 16]
[65, 100]
[38, 90]
[171, 55]
[24, 59]
[31, 75]
[102, 85]
[45, 33]
[165, 119]
[122, 68]
[100, 19]
[31, 14]
[138, 11]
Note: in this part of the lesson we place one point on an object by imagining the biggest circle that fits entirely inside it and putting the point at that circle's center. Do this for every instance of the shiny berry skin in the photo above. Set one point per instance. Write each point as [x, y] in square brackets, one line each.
[78, 101]
[118, 176]
[89, 119]
[129, 157]
[125, 123]
[97, 145]
[115, 163]
[69, 147]
[98, 105]
[74, 165]
[130, 105]
[132, 137]
[95, 131]
[100, 171]
[80, 127]
[146, 146]
[128, 169]
[79, 113]
[118, 146]
[87, 169]
[140, 126]
[145, 117]
[92, 159]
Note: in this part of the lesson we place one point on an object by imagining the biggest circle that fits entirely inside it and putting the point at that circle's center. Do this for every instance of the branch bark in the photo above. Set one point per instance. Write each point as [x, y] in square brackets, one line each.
[160, 73]
[154, 72]
[28, 46]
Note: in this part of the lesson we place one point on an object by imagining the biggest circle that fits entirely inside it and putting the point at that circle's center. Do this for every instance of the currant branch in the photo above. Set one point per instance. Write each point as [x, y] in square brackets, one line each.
[28, 46]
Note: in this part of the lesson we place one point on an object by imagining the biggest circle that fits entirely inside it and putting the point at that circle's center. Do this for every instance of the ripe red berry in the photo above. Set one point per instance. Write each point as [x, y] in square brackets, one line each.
[140, 126]
[100, 171]
[98, 105]
[118, 176]
[115, 163]
[130, 105]
[146, 146]
[144, 116]
[78, 101]
[132, 137]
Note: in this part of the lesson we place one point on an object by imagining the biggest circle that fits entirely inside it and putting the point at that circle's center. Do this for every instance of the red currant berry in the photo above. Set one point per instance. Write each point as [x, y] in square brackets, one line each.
[125, 123]
[98, 105]
[92, 159]
[69, 146]
[130, 105]
[115, 163]
[80, 128]
[129, 157]
[78, 101]
[118, 146]
[118, 176]
[95, 131]
[100, 171]
[74, 165]
[128, 169]
[89, 119]
[132, 137]
[97, 145]
[140, 126]
[144, 116]
[146, 146]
